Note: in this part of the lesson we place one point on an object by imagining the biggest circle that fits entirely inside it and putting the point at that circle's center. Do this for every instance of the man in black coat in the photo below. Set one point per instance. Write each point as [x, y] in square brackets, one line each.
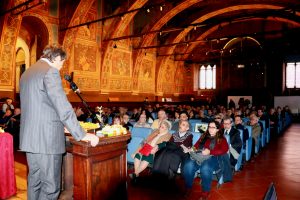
[233, 136]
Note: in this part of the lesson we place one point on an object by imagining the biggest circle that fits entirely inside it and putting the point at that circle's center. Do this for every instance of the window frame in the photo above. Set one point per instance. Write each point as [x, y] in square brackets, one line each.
[207, 72]
[292, 75]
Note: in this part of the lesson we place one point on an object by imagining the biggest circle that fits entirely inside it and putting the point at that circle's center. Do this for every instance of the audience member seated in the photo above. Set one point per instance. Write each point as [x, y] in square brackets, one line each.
[233, 138]
[182, 117]
[149, 117]
[162, 116]
[256, 131]
[176, 116]
[216, 145]
[273, 121]
[81, 116]
[142, 122]
[209, 117]
[263, 116]
[125, 122]
[5, 118]
[144, 155]
[135, 115]
[13, 127]
[203, 117]
[219, 118]
[191, 115]
[116, 120]
[170, 154]
[7, 104]
[239, 125]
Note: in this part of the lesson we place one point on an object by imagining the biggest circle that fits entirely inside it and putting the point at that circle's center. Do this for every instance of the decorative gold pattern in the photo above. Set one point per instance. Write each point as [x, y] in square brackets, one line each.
[85, 57]
[121, 63]
[10, 32]
[88, 83]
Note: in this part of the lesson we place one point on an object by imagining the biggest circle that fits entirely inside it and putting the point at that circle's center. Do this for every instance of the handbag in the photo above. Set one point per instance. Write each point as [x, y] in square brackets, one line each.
[146, 149]
[198, 157]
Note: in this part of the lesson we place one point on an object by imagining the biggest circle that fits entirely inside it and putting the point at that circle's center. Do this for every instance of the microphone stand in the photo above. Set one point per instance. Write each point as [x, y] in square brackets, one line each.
[90, 113]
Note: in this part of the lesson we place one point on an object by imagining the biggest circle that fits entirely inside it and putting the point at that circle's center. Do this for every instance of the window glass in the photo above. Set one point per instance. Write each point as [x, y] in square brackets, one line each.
[207, 77]
[202, 77]
[290, 75]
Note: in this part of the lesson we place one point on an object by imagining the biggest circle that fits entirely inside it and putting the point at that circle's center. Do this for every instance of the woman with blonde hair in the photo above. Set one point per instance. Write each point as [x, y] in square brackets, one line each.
[145, 154]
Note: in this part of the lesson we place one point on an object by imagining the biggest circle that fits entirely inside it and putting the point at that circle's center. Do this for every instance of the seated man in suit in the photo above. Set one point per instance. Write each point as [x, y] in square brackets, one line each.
[233, 138]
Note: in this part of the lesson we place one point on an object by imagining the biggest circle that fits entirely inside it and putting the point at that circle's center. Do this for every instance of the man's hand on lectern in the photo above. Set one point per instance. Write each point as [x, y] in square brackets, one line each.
[93, 139]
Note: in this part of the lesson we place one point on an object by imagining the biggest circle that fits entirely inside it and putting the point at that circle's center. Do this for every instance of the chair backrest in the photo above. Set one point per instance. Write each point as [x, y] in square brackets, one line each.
[245, 120]
[193, 123]
[271, 193]
[249, 130]
[241, 134]
[194, 120]
[196, 137]
[133, 123]
[132, 146]
[263, 122]
[141, 132]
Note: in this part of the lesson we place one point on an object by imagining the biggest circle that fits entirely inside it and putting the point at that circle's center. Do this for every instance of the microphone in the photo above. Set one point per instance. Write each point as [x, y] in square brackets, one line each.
[74, 87]
[68, 78]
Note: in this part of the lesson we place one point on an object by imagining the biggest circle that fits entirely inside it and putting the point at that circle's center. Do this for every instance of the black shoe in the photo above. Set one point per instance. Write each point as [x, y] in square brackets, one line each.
[134, 178]
[187, 193]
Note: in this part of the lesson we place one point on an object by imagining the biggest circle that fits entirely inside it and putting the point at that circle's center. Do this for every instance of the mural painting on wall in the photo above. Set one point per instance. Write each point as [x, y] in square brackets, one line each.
[180, 80]
[168, 79]
[188, 79]
[85, 58]
[121, 63]
[71, 34]
[88, 83]
[147, 70]
[9, 36]
[88, 32]
[123, 85]
[146, 76]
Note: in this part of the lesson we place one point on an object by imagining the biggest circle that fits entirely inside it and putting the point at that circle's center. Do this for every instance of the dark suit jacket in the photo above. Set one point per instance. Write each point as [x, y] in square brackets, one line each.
[45, 111]
[235, 142]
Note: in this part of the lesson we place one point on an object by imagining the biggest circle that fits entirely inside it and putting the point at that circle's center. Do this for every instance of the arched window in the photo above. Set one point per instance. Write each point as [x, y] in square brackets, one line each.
[207, 77]
[202, 77]
[292, 75]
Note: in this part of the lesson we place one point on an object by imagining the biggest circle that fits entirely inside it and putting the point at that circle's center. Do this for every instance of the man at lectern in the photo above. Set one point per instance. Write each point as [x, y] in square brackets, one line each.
[45, 112]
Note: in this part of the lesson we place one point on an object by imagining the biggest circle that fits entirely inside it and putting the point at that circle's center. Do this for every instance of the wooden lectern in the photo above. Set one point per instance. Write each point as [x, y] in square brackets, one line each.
[100, 172]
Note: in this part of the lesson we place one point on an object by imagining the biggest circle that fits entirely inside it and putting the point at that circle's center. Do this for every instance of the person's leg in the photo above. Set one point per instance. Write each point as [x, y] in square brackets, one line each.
[34, 182]
[189, 169]
[50, 166]
[137, 163]
[143, 165]
[206, 170]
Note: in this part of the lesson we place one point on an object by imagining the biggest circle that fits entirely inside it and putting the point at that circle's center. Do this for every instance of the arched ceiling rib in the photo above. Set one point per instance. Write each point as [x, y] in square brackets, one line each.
[215, 28]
